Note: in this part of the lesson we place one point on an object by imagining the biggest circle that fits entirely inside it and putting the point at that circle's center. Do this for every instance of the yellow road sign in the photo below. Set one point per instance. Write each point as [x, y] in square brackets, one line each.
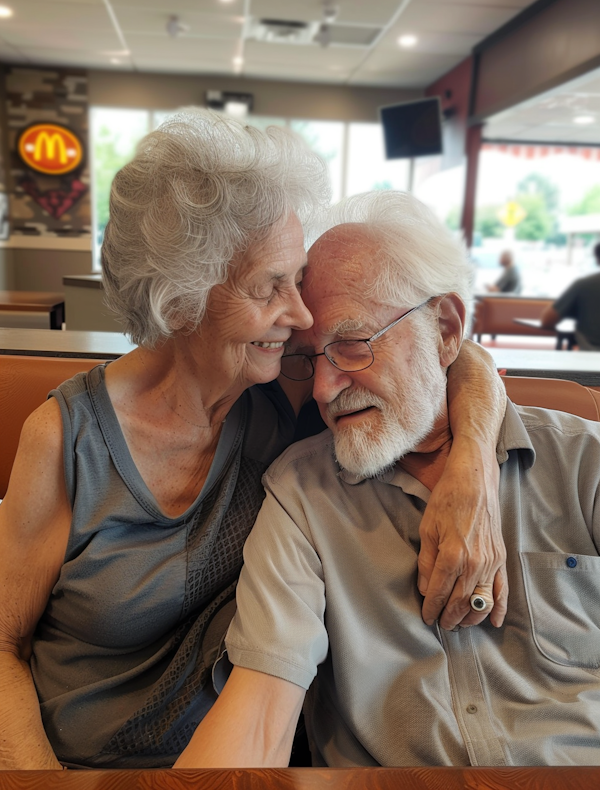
[511, 214]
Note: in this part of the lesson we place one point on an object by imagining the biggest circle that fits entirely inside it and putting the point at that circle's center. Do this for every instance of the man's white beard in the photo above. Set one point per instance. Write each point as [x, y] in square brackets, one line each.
[397, 425]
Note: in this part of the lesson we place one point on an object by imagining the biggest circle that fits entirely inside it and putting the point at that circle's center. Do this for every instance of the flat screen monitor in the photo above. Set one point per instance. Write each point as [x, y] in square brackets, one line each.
[412, 128]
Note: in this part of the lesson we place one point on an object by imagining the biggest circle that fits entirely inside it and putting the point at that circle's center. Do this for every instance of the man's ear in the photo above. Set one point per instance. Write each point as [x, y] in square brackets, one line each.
[451, 320]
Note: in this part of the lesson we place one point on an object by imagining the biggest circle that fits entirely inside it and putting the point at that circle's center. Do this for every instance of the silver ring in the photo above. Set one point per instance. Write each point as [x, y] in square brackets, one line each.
[478, 604]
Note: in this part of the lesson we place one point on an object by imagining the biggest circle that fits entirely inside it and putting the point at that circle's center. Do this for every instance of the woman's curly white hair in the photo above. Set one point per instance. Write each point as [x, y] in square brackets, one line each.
[199, 191]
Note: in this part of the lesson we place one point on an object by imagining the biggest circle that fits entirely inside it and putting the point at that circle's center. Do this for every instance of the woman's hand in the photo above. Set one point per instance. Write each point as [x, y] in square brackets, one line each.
[462, 548]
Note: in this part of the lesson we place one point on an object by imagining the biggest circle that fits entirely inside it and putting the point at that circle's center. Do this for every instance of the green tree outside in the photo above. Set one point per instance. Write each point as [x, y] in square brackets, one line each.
[539, 196]
[108, 160]
[115, 135]
[487, 222]
[589, 204]
[537, 184]
[539, 224]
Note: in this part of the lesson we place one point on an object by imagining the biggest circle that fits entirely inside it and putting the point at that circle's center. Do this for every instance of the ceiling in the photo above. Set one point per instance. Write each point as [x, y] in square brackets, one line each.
[225, 38]
[551, 117]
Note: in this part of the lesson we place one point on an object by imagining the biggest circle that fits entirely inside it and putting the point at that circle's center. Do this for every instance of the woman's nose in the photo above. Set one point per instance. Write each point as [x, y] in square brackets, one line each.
[298, 314]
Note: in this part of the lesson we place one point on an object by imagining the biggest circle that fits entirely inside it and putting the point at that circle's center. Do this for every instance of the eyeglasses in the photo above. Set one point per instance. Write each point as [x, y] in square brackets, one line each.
[349, 356]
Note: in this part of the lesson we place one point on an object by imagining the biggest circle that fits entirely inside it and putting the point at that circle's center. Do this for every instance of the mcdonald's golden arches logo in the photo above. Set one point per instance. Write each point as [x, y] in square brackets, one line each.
[50, 148]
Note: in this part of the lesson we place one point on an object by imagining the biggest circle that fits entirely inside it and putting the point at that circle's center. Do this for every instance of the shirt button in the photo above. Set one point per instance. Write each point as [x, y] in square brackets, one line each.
[571, 562]
[471, 708]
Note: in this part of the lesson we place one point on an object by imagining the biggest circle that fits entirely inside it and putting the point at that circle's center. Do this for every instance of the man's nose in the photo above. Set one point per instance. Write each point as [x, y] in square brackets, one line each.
[329, 381]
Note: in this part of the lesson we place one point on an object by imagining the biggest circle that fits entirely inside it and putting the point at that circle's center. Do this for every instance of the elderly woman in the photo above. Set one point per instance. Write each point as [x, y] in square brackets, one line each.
[135, 485]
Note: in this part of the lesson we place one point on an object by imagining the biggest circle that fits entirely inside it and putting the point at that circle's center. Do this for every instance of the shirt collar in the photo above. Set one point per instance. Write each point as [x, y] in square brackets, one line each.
[513, 436]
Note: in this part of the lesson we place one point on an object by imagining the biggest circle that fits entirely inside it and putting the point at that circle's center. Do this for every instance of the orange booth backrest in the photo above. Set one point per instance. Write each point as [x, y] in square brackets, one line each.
[559, 394]
[25, 382]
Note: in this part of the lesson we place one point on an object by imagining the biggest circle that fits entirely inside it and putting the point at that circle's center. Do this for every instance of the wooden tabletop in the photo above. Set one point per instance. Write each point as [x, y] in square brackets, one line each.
[49, 343]
[32, 301]
[567, 778]
[580, 366]
[566, 325]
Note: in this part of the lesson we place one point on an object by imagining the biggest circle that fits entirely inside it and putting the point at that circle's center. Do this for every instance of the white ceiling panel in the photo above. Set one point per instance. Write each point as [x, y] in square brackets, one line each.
[358, 12]
[430, 43]
[290, 74]
[82, 41]
[89, 32]
[179, 49]
[453, 17]
[517, 5]
[387, 61]
[181, 7]
[9, 53]
[58, 57]
[258, 52]
[183, 66]
[56, 14]
[80, 2]
[132, 20]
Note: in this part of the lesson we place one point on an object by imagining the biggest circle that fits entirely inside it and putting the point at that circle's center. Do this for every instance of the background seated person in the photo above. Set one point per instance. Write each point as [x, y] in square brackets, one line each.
[320, 599]
[510, 279]
[135, 485]
[580, 301]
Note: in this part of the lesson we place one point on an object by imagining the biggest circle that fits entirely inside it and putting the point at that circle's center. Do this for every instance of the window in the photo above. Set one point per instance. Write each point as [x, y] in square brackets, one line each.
[326, 138]
[367, 166]
[114, 134]
[353, 152]
[543, 202]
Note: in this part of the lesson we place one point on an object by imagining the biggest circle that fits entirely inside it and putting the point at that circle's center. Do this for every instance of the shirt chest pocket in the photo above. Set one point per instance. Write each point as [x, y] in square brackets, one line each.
[563, 597]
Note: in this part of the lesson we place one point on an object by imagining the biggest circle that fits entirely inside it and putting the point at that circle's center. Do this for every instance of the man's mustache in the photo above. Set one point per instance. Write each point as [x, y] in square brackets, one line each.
[353, 400]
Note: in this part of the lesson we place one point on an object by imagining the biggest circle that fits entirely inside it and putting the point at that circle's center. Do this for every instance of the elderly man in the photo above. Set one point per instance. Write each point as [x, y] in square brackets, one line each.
[328, 597]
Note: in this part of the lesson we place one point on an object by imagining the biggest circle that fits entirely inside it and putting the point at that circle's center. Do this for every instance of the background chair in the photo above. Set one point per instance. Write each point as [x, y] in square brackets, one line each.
[24, 385]
[557, 394]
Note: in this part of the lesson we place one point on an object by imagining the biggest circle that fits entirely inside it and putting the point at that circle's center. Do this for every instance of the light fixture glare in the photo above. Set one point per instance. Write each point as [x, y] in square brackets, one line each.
[408, 40]
[583, 119]
[5, 12]
[236, 109]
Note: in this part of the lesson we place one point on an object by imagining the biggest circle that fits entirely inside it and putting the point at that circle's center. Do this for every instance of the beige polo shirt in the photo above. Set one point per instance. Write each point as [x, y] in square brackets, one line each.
[328, 590]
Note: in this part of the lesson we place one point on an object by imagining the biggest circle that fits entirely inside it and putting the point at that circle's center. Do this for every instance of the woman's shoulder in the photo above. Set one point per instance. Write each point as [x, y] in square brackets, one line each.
[80, 383]
[38, 463]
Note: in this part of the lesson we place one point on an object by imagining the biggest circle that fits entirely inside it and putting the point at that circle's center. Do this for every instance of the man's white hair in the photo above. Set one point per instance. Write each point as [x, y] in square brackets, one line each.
[417, 256]
[199, 191]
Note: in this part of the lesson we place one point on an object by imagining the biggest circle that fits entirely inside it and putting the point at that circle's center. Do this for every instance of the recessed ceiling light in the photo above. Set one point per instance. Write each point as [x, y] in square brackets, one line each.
[583, 119]
[238, 61]
[5, 11]
[116, 61]
[409, 40]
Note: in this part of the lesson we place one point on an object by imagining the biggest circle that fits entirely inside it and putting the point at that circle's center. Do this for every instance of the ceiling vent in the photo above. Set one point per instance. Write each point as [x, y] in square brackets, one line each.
[285, 31]
[352, 35]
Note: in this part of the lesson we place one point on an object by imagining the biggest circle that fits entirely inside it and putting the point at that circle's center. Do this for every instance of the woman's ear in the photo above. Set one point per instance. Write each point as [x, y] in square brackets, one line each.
[451, 320]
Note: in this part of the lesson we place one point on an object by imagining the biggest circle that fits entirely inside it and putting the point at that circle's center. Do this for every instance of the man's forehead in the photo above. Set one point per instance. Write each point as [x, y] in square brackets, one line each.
[345, 241]
[341, 258]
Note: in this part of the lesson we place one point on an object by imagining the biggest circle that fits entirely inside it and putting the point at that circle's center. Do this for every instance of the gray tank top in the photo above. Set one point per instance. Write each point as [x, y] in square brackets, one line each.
[123, 654]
